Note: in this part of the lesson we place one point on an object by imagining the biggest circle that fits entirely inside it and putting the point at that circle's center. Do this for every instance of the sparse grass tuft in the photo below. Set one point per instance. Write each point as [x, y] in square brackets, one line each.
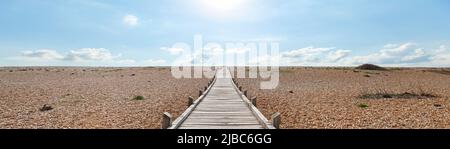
[364, 106]
[138, 98]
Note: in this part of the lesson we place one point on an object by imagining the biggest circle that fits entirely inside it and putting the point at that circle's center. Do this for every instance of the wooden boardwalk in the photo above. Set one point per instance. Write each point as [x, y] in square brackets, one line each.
[222, 106]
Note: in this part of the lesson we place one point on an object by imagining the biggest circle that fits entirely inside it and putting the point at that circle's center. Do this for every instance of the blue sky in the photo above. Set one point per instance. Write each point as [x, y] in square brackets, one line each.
[142, 32]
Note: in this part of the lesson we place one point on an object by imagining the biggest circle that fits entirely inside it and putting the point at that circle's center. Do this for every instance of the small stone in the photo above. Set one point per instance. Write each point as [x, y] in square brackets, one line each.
[439, 106]
[46, 108]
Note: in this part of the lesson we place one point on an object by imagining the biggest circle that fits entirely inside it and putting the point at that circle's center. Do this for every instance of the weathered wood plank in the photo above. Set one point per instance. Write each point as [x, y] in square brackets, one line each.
[221, 121]
[222, 107]
[220, 117]
[222, 124]
[222, 127]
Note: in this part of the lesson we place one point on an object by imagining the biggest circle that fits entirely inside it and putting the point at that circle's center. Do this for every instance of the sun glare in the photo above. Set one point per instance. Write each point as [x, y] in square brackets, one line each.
[221, 6]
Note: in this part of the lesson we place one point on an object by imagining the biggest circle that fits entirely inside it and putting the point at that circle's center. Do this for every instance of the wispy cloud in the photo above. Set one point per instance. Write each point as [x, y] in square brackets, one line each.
[130, 20]
[85, 54]
[43, 54]
[440, 57]
[173, 51]
[394, 54]
[307, 52]
[154, 62]
[88, 54]
[314, 56]
[407, 54]
[127, 62]
[83, 57]
[335, 56]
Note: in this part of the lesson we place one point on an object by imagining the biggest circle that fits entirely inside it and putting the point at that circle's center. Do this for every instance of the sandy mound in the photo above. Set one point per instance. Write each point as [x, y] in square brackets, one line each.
[370, 67]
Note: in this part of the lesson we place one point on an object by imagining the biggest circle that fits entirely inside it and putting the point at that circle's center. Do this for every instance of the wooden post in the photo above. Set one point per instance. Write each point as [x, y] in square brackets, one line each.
[166, 121]
[276, 120]
[190, 101]
[253, 100]
[200, 93]
[245, 93]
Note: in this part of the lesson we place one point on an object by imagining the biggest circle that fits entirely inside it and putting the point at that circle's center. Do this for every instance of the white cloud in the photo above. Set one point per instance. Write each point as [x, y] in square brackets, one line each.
[130, 20]
[88, 54]
[173, 51]
[152, 62]
[270, 60]
[43, 54]
[209, 52]
[442, 49]
[312, 56]
[210, 55]
[335, 56]
[416, 56]
[441, 57]
[306, 53]
[394, 54]
[126, 61]
[407, 54]
[85, 54]
[238, 50]
[83, 57]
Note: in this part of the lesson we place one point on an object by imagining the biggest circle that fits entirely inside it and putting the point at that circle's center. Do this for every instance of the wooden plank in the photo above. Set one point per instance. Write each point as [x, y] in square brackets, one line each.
[221, 107]
[190, 109]
[194, 121]
[223, 127]
[219, 117]
[226, 109]
[216, 120]
[222, 124]
[227, 112]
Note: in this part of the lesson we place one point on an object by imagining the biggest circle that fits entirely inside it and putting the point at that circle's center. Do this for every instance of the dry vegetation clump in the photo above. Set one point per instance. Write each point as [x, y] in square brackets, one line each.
[46, 108]
[440, 71]
[384, 94]
[92, 97]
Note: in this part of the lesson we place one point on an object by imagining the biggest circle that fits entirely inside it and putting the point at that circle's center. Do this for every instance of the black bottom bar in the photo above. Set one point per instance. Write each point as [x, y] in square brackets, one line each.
[198, 138]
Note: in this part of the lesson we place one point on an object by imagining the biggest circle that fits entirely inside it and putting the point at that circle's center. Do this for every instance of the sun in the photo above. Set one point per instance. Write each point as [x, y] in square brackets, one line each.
[221, 6]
